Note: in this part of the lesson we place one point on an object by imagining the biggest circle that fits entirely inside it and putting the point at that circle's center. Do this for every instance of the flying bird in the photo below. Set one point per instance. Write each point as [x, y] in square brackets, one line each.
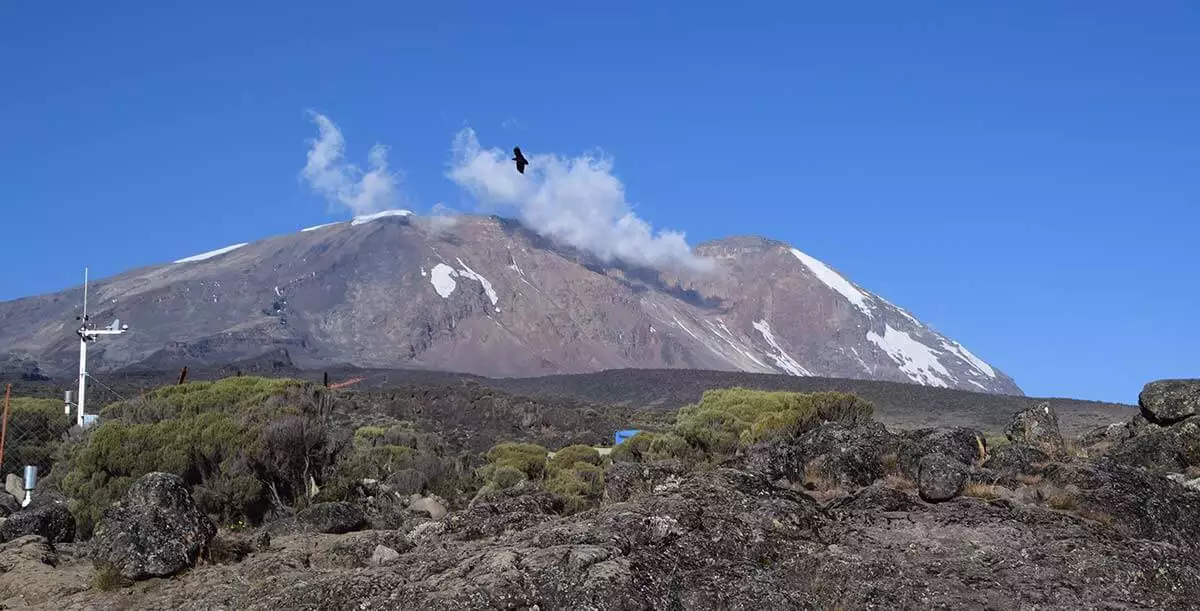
[520, 159]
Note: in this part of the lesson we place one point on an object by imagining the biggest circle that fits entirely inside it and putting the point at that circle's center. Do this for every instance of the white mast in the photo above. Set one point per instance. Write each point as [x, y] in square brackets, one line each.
[88, 334]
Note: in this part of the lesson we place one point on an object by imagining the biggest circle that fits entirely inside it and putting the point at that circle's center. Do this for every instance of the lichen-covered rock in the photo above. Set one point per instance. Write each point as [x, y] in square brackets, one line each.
[1014, 460]
[960, 443]
[52, 521]
[940, 477]
[624, 480]
[1037, 427]
[843, 454]
[332, 518]
[1166, 402]
[1136, 502]
[1161, 449]
[504, 511]
[154, 531]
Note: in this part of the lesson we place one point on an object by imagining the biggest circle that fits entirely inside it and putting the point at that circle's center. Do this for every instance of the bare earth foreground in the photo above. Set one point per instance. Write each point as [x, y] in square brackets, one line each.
[832, 511]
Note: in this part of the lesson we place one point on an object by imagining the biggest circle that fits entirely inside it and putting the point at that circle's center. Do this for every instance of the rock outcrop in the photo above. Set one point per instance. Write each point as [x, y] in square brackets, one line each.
[52, 521]
[940, 477]
[154, 531]
[1037, 427]
[1166, 402]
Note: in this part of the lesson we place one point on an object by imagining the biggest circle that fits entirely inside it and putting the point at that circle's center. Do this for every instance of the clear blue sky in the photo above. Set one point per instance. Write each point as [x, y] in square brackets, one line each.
[1025, 176]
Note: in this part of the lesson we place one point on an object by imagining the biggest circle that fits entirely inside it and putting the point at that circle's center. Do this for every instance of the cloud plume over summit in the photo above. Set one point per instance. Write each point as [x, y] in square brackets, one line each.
[344, 183]
[577, 201]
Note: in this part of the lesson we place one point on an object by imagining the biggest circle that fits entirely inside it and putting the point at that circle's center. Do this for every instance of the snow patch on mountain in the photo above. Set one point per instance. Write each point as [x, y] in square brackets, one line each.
[442, 278]
[316, 227]
[467, 272]
[900, 310]
[367, 218]
[781, 358]
[210, 254]
[725, 334]
[966, 355]
[917, 360]
[835, 281]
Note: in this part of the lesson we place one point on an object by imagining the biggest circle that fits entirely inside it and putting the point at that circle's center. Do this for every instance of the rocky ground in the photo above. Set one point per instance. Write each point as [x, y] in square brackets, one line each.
[840, 516]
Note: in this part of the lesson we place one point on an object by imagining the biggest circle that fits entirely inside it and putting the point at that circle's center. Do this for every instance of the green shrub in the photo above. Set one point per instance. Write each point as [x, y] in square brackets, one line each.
[231, 395]
[572, 454]
[634, 449]
[670, 445]
[581, 485]
[502, 477]
[529, 458]
[728, 418]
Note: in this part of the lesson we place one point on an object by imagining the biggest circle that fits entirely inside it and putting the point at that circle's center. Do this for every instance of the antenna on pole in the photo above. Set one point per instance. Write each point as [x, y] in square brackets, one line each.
[88, 333]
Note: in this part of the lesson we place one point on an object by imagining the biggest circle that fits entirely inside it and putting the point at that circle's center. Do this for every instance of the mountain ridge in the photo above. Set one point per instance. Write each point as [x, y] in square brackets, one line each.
[488, 296]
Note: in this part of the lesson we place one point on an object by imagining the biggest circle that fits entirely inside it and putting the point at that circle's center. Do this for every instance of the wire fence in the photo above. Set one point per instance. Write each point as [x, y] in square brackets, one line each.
[31, 432]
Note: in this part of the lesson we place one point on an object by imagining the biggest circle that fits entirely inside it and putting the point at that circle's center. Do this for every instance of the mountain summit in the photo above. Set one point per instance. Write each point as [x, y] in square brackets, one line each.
[485, 295]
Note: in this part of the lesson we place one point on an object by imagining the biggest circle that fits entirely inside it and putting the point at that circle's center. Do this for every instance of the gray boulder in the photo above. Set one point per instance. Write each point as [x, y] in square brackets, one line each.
[1161, 449]
[8, 505]
[940, 477]
[384, 555]
[1166, 402]
[154, 531]
[960, 443]
[431, 506]
[1037, 427]
[52, 521]
[15, 486]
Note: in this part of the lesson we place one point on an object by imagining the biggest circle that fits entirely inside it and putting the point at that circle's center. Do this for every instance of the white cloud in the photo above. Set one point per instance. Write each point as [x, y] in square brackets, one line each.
[345, 183]
[576, 201]
[441, 218]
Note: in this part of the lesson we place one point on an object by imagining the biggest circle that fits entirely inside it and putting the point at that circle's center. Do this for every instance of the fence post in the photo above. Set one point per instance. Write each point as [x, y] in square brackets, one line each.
[4, 426]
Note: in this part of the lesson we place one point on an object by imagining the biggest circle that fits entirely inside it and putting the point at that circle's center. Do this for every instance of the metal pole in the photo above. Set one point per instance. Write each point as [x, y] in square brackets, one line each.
[82, 353]
[82, 379]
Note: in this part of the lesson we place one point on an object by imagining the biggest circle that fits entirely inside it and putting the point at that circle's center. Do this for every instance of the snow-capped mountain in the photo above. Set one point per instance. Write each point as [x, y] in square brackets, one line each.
[485, 295]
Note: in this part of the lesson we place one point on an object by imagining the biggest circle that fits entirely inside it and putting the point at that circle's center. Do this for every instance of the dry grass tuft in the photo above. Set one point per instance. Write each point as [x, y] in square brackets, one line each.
[982, 491]
[1063, 501]
[896, 481]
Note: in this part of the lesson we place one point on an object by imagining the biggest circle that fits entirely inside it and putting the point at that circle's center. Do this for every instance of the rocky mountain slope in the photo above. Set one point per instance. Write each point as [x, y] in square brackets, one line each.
[841, 512]
[484, 295]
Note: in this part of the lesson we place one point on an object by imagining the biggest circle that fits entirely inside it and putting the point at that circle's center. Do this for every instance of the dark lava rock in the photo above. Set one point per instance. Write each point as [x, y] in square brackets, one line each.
[8, 505]
[940, 477]
[333, 518]
[1137, 502]
[1015, 459]
[505, 511]
[1161, 449]
[960, 443]
[624, 480]
[1037, 426]
[1166, 402]
[53, 521]
[847, 455]
[154, 531]
[877, 499]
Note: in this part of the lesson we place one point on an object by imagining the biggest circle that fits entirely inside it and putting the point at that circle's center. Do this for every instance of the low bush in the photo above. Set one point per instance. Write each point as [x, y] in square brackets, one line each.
[726, 420]
[572, 454]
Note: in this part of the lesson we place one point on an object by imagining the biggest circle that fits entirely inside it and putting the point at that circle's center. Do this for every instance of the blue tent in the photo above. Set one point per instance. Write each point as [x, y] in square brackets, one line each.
[623, 435]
